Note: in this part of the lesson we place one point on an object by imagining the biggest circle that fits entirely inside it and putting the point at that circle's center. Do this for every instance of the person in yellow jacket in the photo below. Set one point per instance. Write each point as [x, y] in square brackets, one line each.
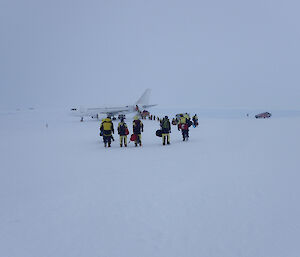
[123, 132]
[138, 128]
[182, 120]
[186, 115]
[107, 129]
[184, 127]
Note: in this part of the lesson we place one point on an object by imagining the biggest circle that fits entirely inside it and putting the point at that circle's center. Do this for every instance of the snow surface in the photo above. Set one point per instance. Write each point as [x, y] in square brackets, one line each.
[232, 190]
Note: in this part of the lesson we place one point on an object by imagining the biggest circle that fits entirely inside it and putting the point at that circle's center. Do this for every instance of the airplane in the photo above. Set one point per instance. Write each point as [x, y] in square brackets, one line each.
[141, 105]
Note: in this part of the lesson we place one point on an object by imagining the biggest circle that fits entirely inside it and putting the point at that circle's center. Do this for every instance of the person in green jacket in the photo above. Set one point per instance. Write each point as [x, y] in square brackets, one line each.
[166, 130]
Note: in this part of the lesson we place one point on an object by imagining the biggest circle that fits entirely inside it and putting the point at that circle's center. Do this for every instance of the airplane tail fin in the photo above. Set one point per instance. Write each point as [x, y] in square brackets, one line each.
[144, 99]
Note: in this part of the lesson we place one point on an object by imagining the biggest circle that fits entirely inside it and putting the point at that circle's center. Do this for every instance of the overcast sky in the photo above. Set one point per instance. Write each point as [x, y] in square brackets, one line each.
[210, 54]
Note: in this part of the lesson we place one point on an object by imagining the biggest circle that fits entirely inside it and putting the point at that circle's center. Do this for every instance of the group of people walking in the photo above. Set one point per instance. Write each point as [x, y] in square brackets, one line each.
[183, 122]
[107, 130]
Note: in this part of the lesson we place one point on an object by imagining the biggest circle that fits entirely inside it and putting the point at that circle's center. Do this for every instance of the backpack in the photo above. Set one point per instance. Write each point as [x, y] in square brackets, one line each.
[184, 126]
[165, 124]
[137, 126]
[122, 129]
[107, 125]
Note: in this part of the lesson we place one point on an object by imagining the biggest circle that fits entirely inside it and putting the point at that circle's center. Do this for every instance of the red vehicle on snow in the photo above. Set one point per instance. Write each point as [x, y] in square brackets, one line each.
[263, 115]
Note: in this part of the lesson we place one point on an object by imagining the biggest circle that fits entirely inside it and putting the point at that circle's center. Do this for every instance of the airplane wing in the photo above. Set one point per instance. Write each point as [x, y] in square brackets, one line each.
[109, 111]
[149, 105]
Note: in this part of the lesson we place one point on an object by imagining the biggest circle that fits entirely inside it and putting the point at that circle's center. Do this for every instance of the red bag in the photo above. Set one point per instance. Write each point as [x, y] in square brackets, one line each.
[133, 137]
[126, 132]
[184, 126]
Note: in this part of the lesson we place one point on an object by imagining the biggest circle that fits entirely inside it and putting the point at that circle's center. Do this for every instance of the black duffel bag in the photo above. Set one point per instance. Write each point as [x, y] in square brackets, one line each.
[158, 133]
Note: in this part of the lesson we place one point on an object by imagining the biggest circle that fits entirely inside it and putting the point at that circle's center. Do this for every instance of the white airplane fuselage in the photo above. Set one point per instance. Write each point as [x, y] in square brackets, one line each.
[141, 105]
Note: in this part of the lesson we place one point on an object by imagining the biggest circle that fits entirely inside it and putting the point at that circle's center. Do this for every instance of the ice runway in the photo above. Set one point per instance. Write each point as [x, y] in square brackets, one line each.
[231, 190]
